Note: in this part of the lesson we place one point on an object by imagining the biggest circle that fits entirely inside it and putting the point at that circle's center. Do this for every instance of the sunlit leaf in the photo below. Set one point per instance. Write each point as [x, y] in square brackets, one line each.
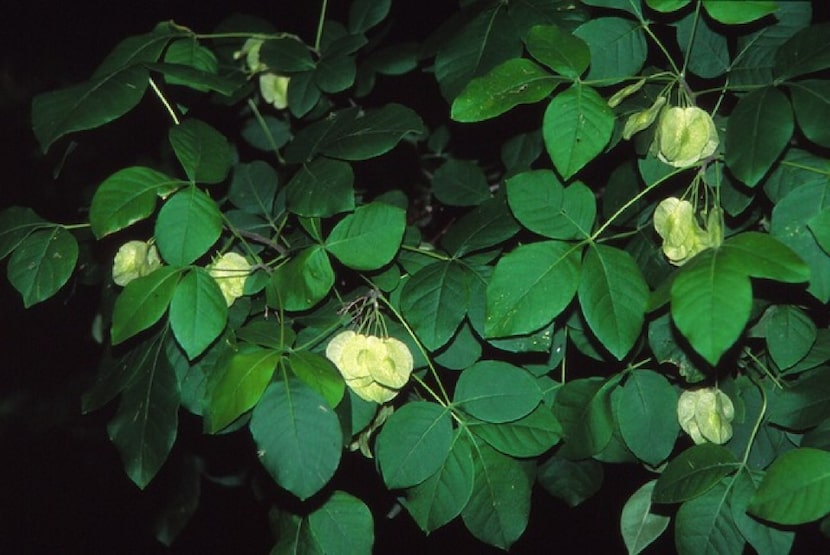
[301, 282]
[735, 12]
[198, 312]
[562, 52]
[618, 48]
[796, 488]
[142, 303]
[187, 225]
[368, 238]
[42, 263]
[203, 152]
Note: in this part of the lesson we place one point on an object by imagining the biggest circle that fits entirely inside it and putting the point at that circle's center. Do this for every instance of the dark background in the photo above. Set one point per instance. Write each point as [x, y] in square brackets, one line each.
[62, 483]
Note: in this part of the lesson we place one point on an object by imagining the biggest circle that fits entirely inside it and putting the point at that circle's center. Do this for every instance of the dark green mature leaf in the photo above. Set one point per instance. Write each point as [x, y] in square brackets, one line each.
[796, 488]
[811, 103]
[487, 225]
[706, 52]
[188, 224]
[298, 436]
[648, 402]
[694, 472]
[138, 49]
[301, 282]
[820, 226]
[335, 72]
[286, 54]
[203, 152]
[88, 105]
[625, 5]
[441, 497]
[571, 481]
[460, 183]
[294, 535]
[368, 238]
[42, 263]
[541, 204]
[414, 443]
[142, 303]
[805, 52]
[188, 53]
[496, 391]
[254, 187]
[765, 539]
[126, 197]
[197, 79]
[797, 167]
[761, 255]
[613, 295]
[732, 12]
[583, 407]
[530, 287]
[198, 312]
[576, 127]
[790, 334]
[704, 525]
[303, 94]
[365, 14]
[144, 428]
[760, 126]
[562, 52]
[638, 525]
[434, 301]
[525, 14]
[618, 48]
[514, 82]
[499, 507]
[803, 405]
[529, 436]
[17, 223]
[319, 374]
[321, 188]
[666, 6]
[343, 525]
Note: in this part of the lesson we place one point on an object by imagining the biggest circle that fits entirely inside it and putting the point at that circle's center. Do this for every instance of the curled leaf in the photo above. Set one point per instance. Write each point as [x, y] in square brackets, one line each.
[642, 120]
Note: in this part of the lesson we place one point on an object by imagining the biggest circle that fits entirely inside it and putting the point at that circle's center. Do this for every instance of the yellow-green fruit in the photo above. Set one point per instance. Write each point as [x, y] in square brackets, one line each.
[274, 89]
[685, 136]
[133, 260]
[706, 415]
[230, 272]
[675, 223]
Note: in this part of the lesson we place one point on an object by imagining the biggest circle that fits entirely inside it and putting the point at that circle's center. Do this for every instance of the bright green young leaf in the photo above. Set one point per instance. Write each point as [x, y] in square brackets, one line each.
[514, 82]
[765, 539]
[487, 225]
[704, 525]
[639, 526]
[571, 481]
[145, 426]
[88, 105]
[618, 48]
[321, 188]
[562, 52]
[576, 127]
[540, 203]
[706, 52]
[319, 374]
[796, 488]
[460, 183]
[368, 238]
[529, 436]
[736, 12]
[496, 392]
[711, 298]
[203, 152]
[583, 407]
[198, 312]
[301, 282]
[820, 226]
[254, 188]
[441, 497]
[613, 295]
[42, 263]
[760, 126]
[807, 51]
[298, 437]
[811, 103]
[365, 14]
[530, 287]
[666, 6]
[434, 301]
[142, 303]
[17, 223]
[414, 443]
[790, 334]
[648, 402]
[126, 197]
[188, 224]
[343, 525]
[499, 507]
[694, 472]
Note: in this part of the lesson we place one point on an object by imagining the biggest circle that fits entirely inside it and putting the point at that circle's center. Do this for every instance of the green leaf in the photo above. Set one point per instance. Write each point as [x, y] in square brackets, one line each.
[138, 49]
[198, 312]
[704, 525]
[805, 52]
[562, 52]
[797, 168]
[666, 6]
[365, 14]
[460, 183]
[796, 488]
[335, 72]
[804, 404]
[618, 48]
[144, 428]
[530, 287]
[321, 188]
[298, 437]
[303, 94]
[368, 238]
[441, 497]
[576, 127]
[514, 82]
[414, 443]
[286, 55]
[820, 226]
[463, 350]
[613, 295]
[88, 105]
[706, 52]
[42, 263]
[189, 52]
[115, 374]
[188, 224]
[529, 13]
[499, 507]
[760, 126]
[254, 188]
[583, 407]
[711, 298]
[203, 152]
[142, 303]
[301, 282]
[343, 525]
[17, 223]
[766, 540]
[487, 225]
[693, 472]
[319, 374]
[639, 526]
[790, 334]
[529, 436]
[571, 481]
[761, 255]
[736, 12]
[811, 103]
[126, 197]
[434, 301]
[541, 204]
[496, 391]
[648, 402]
